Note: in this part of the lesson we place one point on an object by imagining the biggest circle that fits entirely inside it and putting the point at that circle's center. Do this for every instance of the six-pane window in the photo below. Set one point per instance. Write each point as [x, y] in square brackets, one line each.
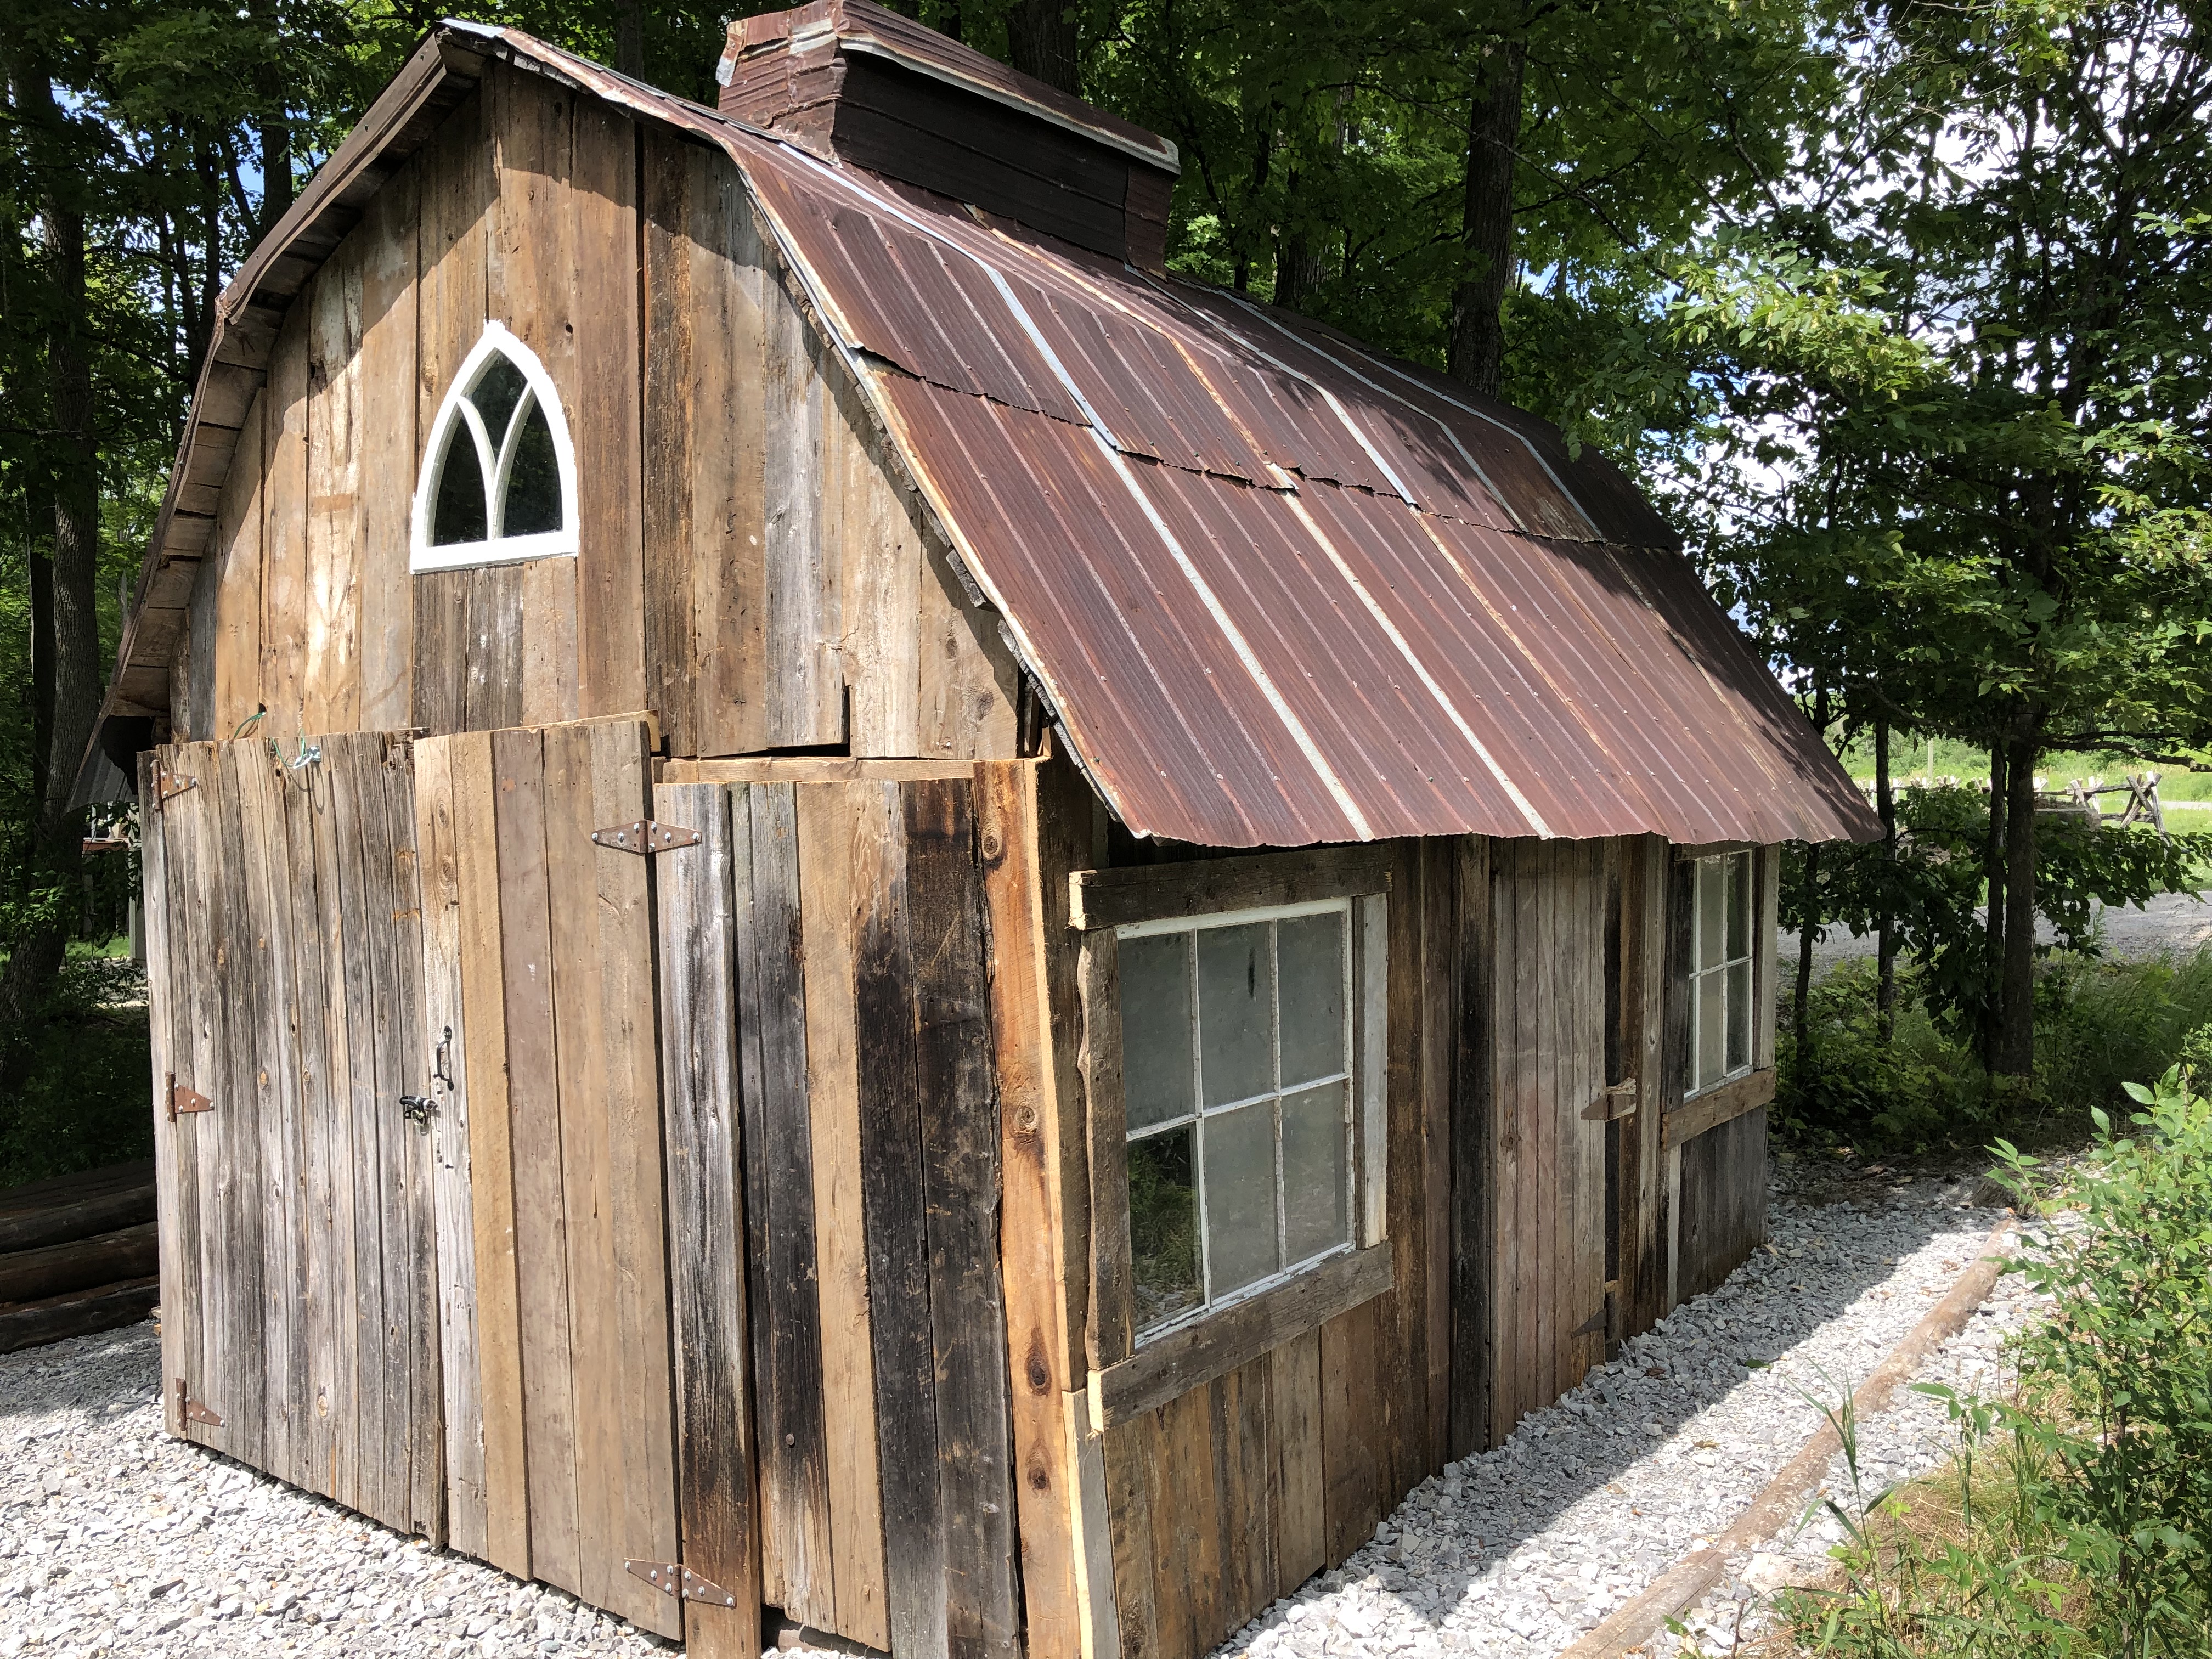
[1237, 1046]
[1720, 971]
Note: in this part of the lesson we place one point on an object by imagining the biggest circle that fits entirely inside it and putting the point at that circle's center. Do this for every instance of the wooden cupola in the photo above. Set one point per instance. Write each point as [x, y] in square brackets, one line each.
[853, 81]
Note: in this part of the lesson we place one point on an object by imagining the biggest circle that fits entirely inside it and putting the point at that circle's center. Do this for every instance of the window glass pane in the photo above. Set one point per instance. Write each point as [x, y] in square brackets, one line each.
[1163, 1226]
[1739, 906]
[1712, 918]
[1711, 1046]
[1240, 1196]
[1236, 1012]
[1309, 957]
[457, 514]
[533, 479]
[1315, 1217]
[1156, 1057]
[1739, 1017]
[496, 394]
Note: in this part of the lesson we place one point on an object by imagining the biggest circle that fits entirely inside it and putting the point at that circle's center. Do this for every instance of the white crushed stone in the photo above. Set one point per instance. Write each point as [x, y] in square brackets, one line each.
[1518, 1551]
[115, 1539]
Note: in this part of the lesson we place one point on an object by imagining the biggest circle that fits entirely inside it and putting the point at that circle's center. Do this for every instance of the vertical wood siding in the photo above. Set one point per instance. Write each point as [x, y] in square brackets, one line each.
[747, 566]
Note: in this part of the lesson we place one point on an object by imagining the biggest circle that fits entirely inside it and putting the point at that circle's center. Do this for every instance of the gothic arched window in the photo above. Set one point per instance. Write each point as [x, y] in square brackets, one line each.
[499, 478]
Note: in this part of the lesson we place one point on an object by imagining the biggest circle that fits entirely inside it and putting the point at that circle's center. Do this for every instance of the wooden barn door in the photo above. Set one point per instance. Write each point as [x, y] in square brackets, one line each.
[537, 950]
[283, 971]
[834, 1133]
[1545, 1226]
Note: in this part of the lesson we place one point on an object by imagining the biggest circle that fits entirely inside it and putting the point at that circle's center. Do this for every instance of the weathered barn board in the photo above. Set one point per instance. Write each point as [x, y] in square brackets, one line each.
[1722, 1207]
[565, 1174]
[715, 1446]
[299, 1202]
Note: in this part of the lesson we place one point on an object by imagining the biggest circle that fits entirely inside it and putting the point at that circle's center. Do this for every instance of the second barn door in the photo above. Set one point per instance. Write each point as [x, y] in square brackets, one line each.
[552, 1264]
[834, 1138]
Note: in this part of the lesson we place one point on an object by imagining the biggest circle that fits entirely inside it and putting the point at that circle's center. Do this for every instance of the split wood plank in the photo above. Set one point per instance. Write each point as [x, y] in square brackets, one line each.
[960, 1162]
[1112, 898]
[1130, 1453]
[831, 841]
[1033, 1263]
[646, 1518]
[1469, 938]
[796, 1559]
[484, 1078]
[696, 912]
[802, 617]
[235, 550]
[389, 448]
[1111, 1335]
[286, 581]
[335, 435]
[540, 1245]
[1718, 1105]
[1301, 1535]
[1433, 998]
[812, 769]
[445, 1029]
[583, 1182]
[1351, 1429]
[893, 1200]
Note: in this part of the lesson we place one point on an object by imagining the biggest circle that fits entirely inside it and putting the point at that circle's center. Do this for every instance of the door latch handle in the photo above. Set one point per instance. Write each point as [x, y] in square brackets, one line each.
[441, 1063]
[418, 1109]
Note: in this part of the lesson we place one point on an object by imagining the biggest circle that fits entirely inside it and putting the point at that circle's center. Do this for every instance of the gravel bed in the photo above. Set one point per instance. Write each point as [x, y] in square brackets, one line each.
[1519, 1551]
[115, 1539]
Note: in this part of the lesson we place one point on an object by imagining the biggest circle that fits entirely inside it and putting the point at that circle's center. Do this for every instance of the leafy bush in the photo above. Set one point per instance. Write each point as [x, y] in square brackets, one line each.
[88, 1100]
[2083, 1505]
[2098, 1023]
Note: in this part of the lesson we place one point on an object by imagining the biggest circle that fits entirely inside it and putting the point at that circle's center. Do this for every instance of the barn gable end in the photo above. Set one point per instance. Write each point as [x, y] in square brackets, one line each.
[750, 565]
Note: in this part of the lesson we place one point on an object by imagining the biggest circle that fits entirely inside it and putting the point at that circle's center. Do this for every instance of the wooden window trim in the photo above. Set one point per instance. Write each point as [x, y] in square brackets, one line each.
[1158, 892]
[1100, 901]
[1722, 1103]
[1193, 1355]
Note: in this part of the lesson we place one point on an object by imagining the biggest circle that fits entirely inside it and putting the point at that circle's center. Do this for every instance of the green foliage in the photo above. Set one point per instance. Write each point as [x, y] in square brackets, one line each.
[2082, 1509]
[2097, 1024]
[85, 1103]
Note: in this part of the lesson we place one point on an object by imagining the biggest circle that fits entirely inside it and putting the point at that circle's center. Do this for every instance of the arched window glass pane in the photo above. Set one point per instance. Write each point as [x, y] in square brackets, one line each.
[533, 479]
[458, 514]
[497, 390]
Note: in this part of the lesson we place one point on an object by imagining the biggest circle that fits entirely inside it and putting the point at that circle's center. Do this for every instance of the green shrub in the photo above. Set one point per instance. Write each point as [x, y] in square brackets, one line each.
[2099, 1022]
[2077, 1519]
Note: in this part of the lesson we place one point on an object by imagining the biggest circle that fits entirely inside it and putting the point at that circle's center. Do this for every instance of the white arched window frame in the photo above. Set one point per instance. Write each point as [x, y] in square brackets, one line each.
[458, 421]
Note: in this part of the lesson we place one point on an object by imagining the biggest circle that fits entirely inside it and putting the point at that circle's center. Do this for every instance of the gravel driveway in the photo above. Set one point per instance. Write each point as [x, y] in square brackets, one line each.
[116, 1539]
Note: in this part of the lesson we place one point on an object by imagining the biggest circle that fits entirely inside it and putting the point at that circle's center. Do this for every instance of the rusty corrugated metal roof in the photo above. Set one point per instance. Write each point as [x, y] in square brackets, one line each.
[1279, 588]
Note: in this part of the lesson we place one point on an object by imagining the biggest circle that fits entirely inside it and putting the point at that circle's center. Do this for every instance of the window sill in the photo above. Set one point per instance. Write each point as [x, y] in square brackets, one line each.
[1193, 1355]
[1719, 1104]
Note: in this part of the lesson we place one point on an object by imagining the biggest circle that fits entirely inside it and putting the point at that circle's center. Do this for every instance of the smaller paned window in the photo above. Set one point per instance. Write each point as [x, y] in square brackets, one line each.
[1236, 1047]
[1720, 971]
[498, 475]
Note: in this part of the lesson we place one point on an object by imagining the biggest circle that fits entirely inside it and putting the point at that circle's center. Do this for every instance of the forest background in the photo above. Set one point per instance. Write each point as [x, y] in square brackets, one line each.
[1901, 311]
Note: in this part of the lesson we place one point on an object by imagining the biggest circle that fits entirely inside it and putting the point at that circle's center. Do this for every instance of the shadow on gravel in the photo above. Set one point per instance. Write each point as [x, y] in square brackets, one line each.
[104, 1374]
[1695, 1360]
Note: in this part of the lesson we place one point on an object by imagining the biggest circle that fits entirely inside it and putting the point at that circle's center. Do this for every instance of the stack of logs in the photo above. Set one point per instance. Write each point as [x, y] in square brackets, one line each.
[77, 1254]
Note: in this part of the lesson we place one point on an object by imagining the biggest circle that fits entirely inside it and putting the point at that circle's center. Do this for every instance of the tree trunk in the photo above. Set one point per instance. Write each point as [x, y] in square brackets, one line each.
[1884, 949]
[629, 38]
[1801, 1026]
[273, 131]
[1993, 877]
[73, 674]
[1477, 350]
[1042, 40]
[1298, 264]
[2016, 1046]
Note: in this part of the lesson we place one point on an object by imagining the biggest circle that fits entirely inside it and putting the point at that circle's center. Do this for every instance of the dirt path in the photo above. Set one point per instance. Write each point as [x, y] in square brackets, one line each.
[2172, 922]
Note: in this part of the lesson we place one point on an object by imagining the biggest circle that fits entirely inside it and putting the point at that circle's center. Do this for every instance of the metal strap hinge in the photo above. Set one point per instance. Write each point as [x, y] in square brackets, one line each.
[673, 1578]
[645, 836]
[168, 786]
[1618, 1101]
[190, 1410]
[182, 1099]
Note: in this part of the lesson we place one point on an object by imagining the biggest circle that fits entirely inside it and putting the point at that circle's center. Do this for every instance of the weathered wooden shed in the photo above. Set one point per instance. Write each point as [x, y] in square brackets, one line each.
[856, 906]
